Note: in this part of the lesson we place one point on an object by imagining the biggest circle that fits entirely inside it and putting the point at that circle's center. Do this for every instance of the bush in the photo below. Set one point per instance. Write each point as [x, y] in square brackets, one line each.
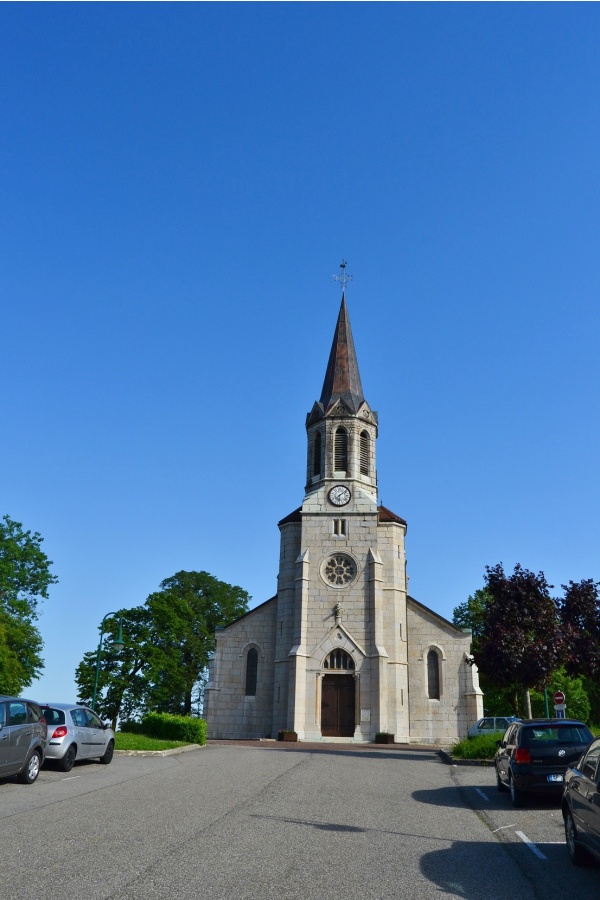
[174, 728]
[481, 747]
[131, 727]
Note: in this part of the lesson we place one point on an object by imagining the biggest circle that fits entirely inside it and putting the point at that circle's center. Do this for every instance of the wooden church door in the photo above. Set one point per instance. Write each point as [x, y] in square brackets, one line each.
[338, 716]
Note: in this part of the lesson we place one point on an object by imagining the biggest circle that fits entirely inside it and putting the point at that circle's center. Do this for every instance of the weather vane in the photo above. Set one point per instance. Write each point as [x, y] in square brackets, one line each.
[343, 278]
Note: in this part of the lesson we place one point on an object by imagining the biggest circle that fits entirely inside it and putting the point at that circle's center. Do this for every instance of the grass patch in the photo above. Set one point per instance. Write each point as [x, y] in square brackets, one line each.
[481, 747]
[124, 740]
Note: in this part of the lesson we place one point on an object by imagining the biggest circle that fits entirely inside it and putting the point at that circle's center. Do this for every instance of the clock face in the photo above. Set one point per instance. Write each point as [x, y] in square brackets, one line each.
[339, 495]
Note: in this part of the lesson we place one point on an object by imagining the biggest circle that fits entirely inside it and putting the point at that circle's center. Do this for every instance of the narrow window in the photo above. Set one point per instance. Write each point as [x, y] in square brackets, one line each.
[341, 450]
[251, 672]
[364, 453]
[339, 527]
[317, 454]
[433, 675]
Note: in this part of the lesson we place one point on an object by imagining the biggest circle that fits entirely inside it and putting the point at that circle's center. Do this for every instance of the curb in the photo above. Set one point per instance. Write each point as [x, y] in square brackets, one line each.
[454, 761]
[172, 752]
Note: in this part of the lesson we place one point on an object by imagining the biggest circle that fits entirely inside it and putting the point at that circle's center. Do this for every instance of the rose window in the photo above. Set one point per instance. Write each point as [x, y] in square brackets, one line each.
[340, 570]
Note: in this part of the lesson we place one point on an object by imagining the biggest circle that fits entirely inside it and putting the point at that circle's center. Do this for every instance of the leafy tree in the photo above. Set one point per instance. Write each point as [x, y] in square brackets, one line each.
[578, 703]
[185, 613]
[167, 646]
[25, 577]
[123, 675]
[521, 642]
[498, 701]
[580, 619]
[471, 615]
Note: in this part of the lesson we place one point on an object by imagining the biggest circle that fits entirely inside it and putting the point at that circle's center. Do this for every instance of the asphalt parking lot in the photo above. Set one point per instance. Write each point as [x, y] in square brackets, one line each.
[295, 822]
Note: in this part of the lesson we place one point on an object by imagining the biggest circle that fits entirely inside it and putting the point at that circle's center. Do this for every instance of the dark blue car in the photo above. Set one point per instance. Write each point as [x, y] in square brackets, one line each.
[533, 756]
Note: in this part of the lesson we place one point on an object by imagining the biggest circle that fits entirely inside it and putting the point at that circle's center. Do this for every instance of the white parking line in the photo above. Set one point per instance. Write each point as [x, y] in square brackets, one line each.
[531, 845]
[481, 794]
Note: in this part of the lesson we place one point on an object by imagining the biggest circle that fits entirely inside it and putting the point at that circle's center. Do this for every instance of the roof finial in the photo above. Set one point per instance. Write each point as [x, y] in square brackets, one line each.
[343, 277]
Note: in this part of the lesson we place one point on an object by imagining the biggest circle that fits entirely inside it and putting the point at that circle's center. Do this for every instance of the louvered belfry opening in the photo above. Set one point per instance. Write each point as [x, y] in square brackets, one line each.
[340, 660]
[317, 446]
[364, 453]
[340, 455]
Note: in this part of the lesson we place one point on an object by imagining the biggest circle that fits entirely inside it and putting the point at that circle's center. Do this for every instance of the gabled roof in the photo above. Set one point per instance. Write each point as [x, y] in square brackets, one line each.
[342, 378]
[436, 615]
[386, 515]
[249, 613]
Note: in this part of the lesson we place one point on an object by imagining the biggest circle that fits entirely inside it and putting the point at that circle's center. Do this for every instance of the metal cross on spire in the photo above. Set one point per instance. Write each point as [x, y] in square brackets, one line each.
[343, 278]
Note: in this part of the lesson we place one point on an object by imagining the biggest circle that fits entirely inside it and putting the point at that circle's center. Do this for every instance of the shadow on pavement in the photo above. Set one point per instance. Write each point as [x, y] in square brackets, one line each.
[475, 870]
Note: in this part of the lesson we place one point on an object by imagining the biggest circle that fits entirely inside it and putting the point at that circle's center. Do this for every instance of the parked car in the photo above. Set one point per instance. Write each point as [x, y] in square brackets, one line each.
[75, 732]
[534, 754]
[490, 724]
[581, 806]
[23, 735]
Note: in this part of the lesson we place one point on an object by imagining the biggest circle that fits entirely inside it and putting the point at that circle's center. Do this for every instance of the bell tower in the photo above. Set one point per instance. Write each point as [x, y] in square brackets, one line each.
[341, 430]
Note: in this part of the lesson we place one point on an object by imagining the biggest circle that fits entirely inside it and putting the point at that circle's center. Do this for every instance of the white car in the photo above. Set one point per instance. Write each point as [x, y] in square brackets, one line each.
[491, 724]
[75, 732]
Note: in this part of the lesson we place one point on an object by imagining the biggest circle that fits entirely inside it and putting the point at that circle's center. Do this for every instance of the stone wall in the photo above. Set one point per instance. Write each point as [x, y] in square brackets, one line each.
[229, 712]
[445, 720]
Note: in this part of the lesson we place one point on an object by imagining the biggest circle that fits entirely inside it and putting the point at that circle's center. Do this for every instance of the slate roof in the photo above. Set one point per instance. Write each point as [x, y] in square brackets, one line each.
[383, 515]
[342, 378]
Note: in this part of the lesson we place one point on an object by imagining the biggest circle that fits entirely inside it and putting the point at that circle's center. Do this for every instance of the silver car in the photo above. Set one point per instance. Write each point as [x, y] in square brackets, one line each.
[491, 724]
[75, 732]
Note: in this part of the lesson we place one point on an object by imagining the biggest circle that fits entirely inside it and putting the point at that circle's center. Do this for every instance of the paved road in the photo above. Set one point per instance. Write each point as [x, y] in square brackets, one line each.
[243, 822]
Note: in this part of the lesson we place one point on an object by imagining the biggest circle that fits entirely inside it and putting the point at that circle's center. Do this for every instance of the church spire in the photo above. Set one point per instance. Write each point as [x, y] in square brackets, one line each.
[342, 378]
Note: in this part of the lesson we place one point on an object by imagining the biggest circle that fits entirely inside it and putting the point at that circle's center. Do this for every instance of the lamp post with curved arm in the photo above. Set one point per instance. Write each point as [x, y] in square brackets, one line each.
[118, 644]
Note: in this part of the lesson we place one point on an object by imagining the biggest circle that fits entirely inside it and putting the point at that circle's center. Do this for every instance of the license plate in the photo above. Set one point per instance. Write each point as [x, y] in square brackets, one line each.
[555, 777]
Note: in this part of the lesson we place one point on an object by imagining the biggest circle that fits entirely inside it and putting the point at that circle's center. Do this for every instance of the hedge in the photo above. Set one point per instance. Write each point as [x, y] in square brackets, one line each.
[174, 728]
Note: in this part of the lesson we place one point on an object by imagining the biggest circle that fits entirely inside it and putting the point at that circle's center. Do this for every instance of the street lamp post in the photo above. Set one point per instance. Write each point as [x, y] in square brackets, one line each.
[118, 644]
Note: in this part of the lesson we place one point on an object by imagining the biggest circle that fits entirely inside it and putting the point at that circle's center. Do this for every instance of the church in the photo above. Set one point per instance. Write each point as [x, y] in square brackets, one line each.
[342, 651]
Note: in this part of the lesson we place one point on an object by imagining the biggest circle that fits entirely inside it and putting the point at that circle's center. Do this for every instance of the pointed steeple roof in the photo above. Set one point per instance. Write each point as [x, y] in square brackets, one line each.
[342, 379]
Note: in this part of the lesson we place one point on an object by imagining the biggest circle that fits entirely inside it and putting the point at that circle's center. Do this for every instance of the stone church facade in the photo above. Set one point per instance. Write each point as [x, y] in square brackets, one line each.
[342, 651]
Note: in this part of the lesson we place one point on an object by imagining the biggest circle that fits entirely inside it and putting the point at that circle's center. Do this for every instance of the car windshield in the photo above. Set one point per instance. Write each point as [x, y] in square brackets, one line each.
[53, 716]
[543, 735]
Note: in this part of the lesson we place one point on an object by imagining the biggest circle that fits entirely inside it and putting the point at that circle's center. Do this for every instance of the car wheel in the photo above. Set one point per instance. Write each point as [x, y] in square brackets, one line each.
[500, 784]
[32, 768]
[108, 753]
[577, 853]
[66, 763]
[515, 794]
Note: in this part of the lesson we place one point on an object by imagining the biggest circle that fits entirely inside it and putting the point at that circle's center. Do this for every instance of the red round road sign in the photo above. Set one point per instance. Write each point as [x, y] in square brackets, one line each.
[559, 697]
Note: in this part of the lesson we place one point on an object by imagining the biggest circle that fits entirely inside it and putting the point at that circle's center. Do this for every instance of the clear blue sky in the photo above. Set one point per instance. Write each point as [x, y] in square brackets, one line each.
[179, 182]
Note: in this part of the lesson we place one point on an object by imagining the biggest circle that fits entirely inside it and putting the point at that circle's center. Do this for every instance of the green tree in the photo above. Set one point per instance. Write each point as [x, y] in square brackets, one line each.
[185, 613]
[168, 642]
[123, 683]
[25, 577]
[577, 700]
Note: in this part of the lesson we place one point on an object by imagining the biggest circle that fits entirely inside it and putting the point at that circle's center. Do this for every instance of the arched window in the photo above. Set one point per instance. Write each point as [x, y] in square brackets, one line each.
[317, 454]
[339, 659]
[433, 675]
[364, 452]
[251, 672]
[340, 454]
